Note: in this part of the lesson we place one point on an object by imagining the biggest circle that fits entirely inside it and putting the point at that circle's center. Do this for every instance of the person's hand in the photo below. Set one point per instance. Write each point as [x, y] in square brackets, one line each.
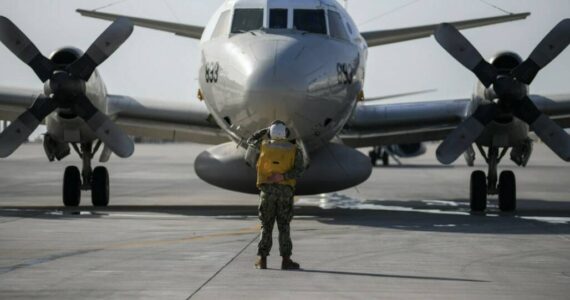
[276, 178]
[255, 137]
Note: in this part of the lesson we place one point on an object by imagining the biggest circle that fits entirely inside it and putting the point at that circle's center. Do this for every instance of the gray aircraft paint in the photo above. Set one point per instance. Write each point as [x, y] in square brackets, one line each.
[282, 74]
[75, 130]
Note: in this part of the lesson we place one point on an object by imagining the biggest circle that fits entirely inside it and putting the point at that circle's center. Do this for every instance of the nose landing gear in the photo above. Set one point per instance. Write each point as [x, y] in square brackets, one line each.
[96, 180]
[504, 186]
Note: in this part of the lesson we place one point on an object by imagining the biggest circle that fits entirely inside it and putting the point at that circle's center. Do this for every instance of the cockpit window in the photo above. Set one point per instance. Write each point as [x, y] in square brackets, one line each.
[247, 20]
[310, 20]
[278, 18]
[336, 26]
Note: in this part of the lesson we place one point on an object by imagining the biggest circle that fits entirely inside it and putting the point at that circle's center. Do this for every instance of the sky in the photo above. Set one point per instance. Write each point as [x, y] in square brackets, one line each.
[162, 66]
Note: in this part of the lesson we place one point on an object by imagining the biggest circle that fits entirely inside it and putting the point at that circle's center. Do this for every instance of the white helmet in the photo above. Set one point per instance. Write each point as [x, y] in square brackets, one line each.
[278, 131]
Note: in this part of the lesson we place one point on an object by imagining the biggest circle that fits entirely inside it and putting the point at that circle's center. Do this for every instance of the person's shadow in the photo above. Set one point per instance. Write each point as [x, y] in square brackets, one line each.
[384, 275]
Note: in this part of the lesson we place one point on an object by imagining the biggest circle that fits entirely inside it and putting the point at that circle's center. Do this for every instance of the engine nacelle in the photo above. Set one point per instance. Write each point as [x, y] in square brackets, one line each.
[505, 130]
[65, 56]
[64, 126]
[333, 167]
[504, 62]
[408, 150]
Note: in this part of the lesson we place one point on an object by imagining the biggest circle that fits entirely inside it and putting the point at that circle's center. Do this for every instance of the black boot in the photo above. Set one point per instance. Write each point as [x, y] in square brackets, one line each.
[261, 262]
[288, 264]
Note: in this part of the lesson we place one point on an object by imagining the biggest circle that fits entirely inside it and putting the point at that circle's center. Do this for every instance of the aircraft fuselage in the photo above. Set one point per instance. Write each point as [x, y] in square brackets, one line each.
[310, 81]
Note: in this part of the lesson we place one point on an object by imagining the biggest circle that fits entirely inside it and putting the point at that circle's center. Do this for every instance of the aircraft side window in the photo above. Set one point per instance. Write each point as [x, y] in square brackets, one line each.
[336, 26]
[247, 19]
[310, 20]
[223, 25]
[278, 18]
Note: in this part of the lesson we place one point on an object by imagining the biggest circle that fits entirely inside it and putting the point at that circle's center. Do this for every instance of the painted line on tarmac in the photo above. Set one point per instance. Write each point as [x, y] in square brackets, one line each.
[224, 266]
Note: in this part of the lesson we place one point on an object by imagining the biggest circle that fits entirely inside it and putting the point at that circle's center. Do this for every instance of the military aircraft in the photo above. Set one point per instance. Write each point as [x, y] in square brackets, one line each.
[302, 62]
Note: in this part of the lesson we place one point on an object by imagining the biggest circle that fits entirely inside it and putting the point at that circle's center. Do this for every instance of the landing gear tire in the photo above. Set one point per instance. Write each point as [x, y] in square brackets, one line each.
[71, 186]
[385, 158]
[507, 191]
[100, 187]
[478, 191]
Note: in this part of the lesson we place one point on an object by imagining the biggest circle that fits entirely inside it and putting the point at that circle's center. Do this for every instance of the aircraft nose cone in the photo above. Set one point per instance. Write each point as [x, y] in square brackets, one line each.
[277, 87]
[274, 60]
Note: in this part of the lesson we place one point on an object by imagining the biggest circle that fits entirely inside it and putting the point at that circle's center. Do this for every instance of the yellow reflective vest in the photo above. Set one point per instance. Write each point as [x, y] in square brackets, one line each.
[275, 157]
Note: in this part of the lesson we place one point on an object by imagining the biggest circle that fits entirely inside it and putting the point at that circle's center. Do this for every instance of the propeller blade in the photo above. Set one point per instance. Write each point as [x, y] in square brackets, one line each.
[464, 52]
[21, 128]
[107, 131]
[17, 42]
[103, 47]
[547, 50]
[459, 140]
[553, 136]
[549, 132]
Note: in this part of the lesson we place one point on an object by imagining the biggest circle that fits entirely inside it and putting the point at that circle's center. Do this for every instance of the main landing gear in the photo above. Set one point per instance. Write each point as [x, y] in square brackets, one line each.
[96, 180]
[379, 152]
[504, 185]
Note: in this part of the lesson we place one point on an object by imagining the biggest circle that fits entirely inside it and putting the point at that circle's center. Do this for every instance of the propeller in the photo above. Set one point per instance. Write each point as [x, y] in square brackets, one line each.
[511, 90]
[65, 87]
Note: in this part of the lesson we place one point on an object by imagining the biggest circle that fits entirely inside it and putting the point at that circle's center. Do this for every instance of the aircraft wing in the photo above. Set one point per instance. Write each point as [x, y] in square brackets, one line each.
[555, 106]
[403, 123]
[376, 124]
[13, 101]
[177, 121]
[382, 37]
[181, 122]
[373, 38]
[190, 31]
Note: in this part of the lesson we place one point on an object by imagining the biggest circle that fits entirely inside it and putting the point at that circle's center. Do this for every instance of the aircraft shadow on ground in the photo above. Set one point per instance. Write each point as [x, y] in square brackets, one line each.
[533, 216]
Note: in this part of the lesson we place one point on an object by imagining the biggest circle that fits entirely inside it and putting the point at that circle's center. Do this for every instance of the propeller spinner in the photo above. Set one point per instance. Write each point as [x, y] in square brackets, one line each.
[65, 87]
[510, 89]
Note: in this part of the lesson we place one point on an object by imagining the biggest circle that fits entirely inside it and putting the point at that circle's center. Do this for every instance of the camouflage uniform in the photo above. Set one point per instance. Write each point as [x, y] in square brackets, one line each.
[277, 205]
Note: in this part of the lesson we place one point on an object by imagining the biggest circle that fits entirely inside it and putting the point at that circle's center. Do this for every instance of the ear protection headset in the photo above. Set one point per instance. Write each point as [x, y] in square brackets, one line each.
[288, 132]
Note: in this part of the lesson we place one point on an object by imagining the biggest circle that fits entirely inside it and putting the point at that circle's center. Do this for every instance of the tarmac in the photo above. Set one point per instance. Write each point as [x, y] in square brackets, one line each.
[404, 234]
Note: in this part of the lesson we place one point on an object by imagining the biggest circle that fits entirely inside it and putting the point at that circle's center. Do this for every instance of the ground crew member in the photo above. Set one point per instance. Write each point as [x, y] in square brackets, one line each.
[279, 164]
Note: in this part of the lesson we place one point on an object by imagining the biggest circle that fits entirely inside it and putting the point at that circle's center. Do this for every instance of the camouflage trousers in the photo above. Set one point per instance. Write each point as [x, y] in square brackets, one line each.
[276, 205]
